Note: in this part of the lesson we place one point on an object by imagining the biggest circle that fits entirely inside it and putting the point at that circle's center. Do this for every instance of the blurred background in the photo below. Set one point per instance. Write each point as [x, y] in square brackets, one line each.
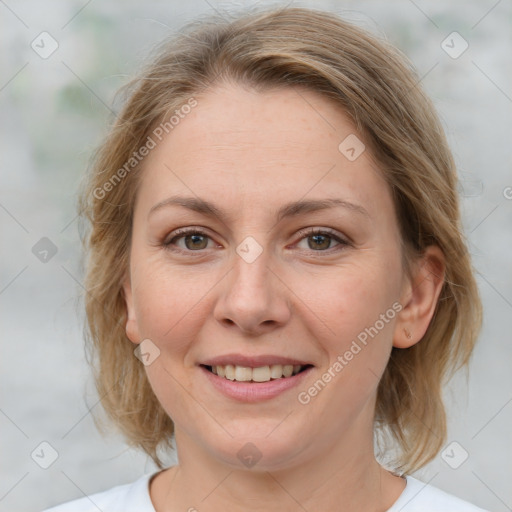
[61, 65]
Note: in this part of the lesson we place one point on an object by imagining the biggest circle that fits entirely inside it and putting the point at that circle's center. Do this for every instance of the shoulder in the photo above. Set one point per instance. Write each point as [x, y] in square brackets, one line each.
[421, 497]
[133, 497]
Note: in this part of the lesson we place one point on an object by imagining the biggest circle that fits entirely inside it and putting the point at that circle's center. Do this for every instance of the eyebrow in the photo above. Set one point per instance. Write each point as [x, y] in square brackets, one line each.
[292, 209]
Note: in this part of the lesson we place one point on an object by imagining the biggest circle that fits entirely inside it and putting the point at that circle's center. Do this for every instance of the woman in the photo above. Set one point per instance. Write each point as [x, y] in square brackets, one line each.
[277, 272]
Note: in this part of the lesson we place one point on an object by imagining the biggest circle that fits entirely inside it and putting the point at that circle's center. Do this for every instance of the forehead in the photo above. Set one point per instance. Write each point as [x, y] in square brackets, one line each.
[240, 143]
[234, 118]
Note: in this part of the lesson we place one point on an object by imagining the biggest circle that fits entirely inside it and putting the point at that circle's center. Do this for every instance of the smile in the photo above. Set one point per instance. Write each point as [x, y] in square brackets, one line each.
[254, 378]
[258, 374]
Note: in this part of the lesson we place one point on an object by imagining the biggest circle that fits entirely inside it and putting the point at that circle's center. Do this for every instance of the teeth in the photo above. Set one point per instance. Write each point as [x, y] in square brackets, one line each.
[260, 374]
[287, 370]
[229, 371]
[243, 374]
[276, 371]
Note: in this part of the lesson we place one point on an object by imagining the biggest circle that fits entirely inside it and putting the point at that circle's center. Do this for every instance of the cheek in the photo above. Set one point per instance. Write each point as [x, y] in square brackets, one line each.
[168, 303]
[356, 297]
[359, 305]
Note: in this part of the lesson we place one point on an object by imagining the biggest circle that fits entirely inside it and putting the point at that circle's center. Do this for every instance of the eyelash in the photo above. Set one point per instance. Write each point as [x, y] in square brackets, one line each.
[306, 233]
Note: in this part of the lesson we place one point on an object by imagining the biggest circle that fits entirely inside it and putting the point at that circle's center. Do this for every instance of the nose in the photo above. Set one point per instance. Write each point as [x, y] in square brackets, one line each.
[253, 298]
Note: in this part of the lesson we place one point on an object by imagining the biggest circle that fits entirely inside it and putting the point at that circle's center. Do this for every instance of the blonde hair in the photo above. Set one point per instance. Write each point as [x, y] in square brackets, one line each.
[380, 92]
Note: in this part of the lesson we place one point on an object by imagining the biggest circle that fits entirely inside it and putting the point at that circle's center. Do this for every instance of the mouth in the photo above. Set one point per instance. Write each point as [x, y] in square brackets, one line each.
[245, 378]
[257, 374]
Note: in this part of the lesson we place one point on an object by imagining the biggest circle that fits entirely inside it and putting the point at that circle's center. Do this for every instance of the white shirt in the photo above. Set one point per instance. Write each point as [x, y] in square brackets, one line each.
[134, 497]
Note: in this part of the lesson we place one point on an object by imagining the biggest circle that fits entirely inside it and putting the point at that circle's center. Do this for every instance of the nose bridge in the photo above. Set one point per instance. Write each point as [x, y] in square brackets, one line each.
[250, 276]
[252, 296]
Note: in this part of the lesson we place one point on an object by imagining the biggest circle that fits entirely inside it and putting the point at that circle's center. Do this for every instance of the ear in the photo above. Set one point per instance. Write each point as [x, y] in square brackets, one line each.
[132, 328]
[419, 298]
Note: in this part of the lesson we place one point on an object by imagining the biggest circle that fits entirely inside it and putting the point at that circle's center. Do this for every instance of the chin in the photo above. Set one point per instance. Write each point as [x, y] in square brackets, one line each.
[254, 449]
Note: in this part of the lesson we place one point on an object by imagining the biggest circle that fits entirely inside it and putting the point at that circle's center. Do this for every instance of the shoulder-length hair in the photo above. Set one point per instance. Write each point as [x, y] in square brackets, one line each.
[381, 94]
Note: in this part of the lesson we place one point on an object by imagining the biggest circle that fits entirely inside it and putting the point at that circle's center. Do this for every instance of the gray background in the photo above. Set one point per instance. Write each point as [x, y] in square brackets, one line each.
[55, 111]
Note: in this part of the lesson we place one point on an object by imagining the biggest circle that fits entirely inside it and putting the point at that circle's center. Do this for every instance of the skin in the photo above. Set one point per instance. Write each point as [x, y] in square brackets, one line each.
[249, 153]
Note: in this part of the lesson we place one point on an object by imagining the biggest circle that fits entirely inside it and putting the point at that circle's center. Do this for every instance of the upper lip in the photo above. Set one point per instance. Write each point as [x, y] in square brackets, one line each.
[252, 361]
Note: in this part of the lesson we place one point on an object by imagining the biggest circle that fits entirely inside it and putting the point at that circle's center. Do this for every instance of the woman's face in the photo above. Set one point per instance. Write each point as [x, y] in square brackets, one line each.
[251, 176]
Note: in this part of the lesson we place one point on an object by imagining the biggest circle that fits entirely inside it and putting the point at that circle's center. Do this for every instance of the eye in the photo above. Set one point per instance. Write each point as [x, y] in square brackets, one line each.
[193, 240]
[196, 240]
[320, 240]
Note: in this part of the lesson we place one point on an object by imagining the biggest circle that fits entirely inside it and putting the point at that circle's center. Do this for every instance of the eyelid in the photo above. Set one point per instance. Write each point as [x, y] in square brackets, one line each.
[182, 233]
[324, 231]
[341, 239]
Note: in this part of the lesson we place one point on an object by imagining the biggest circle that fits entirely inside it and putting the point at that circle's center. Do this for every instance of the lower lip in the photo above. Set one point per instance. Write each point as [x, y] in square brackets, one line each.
[254, 391]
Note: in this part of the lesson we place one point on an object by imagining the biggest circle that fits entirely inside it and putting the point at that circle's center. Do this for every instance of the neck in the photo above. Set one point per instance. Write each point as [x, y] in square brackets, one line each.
[338, 478]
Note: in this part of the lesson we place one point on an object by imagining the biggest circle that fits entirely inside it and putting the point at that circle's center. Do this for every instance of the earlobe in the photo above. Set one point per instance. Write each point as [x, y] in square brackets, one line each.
[132, 329]
[420, 298]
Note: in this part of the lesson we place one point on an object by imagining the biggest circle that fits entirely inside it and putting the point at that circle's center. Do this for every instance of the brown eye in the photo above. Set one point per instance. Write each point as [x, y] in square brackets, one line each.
[193, 239]
[322, 240]
[196, 241]
[319, 241]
